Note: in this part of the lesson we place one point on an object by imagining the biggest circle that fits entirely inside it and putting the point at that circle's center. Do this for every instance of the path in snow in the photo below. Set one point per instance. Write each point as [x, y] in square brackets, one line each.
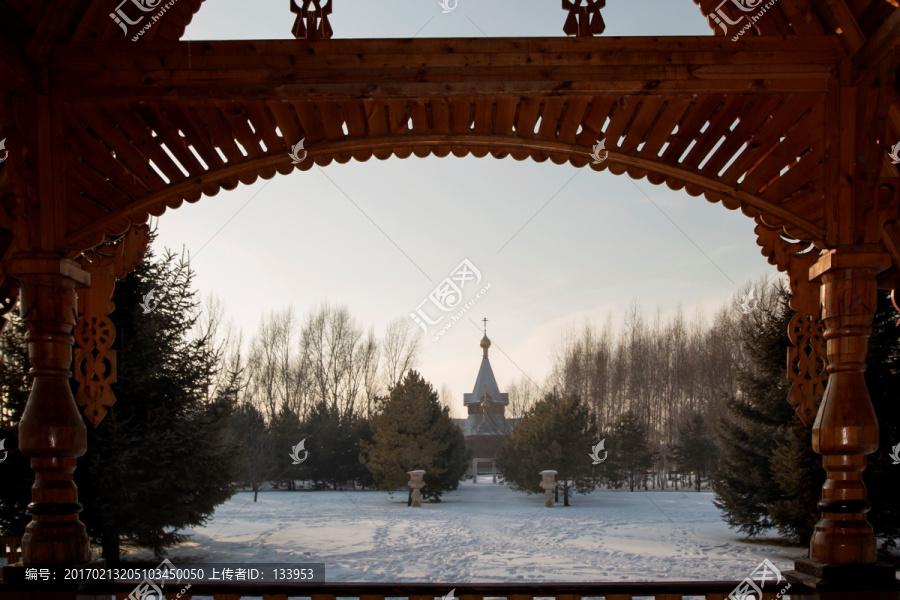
[482, 532]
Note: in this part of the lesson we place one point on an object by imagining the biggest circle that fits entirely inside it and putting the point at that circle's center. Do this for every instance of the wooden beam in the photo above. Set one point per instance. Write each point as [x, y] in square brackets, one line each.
[56, 18]
[877, 47]
[96, 10]
[890, 236]
[16, 66]
[405, 68]
[842, 17]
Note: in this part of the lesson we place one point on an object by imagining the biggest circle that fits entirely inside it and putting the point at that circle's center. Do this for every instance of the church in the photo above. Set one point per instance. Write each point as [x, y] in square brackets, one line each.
[486, 423]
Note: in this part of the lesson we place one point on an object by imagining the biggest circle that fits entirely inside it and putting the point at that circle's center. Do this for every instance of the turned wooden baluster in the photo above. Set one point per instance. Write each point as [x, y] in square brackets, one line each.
[846, 429]
[51, 430]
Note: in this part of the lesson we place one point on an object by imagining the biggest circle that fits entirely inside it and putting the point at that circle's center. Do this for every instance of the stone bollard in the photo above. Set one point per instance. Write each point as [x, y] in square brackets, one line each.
[416, 483]
[548, 482]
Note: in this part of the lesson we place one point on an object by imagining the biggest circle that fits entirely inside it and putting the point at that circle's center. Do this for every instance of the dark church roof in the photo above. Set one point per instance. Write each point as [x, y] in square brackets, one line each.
[486, 425]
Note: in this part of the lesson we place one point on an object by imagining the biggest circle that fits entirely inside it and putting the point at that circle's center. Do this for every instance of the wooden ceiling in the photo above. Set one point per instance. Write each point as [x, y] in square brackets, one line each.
[137, 128]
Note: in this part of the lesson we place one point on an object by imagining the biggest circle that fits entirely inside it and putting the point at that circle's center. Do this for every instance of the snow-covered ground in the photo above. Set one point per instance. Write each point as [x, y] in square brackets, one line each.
[483, 533]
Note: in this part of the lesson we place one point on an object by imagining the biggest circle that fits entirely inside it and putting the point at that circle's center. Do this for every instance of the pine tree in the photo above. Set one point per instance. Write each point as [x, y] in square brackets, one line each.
[322, 426]
[162, 459]
[337, 438]
[557, 434]
[410, 431]
[258, 461]
[758, 420]
[15, 387]
[630, 456]
[768, 475]
[695, 451]
[797, 472]
[286, 431]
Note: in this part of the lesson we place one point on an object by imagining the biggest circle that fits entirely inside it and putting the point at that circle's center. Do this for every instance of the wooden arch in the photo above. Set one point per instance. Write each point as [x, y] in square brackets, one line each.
[789, 122]
[147, 132]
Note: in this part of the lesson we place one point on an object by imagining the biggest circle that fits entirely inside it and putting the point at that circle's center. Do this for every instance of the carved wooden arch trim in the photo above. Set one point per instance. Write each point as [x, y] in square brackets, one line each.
[247, 172]
[94, 365]
[806, 357]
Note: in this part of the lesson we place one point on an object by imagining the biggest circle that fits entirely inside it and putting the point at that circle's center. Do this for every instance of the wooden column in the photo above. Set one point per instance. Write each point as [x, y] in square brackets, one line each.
[51, 430]
[846, 429]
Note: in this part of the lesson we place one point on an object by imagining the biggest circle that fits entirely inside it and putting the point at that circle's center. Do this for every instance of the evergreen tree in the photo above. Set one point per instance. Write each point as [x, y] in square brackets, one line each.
[411, 430]
[356, 430]
[162, 459]
[759, 423]
[322, 425]
[286, 431]
[335, 461]
[15, 387]
[556, 433]
[258, 460]
[768, 475]
[797, 473]
[630, 456]
[695, 451]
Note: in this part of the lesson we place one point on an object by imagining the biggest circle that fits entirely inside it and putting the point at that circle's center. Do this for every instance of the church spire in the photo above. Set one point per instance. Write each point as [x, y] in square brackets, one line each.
[486, 388]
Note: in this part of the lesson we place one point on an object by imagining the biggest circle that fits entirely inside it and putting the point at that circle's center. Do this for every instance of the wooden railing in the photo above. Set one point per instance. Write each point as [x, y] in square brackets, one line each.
[681, 590]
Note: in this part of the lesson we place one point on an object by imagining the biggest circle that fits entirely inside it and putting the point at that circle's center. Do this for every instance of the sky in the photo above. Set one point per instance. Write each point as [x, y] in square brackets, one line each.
[557, 245]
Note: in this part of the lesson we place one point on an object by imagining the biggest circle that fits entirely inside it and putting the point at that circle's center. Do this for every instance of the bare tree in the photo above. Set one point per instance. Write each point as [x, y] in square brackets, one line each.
[446, 396]
[276, 374]
[664, 368]
[401, 347]
[523, 394]
[338, 359]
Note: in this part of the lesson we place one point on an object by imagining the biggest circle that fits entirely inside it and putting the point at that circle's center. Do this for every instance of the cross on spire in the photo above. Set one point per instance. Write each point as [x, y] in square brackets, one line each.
[485, 325]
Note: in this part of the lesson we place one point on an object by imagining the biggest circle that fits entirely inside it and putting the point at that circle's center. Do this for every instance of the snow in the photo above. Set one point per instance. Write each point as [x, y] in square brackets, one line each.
[482, 532]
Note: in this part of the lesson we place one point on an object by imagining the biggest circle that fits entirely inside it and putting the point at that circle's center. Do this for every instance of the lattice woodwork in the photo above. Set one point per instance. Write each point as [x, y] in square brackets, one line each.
[95, 361]
[760, 150]
[312, 19]
[806, 358]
